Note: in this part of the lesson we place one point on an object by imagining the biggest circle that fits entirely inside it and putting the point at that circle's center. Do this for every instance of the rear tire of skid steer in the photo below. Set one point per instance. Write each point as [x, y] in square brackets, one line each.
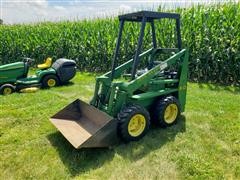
[7, 89]
[166, 112]
[133, 123]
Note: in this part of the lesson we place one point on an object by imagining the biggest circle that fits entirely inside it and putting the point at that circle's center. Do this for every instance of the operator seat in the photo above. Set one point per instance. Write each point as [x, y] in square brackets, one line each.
[46, 64]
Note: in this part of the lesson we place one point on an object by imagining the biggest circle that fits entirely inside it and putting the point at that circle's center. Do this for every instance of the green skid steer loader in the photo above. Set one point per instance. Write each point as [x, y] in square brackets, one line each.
[124, 109]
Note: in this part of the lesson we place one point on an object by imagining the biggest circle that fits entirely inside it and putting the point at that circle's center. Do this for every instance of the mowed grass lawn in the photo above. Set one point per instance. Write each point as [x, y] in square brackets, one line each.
[204, 144]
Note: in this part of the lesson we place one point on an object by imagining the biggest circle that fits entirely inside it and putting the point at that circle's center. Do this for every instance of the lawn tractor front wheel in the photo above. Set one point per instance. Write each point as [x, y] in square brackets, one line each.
[133, 123]
[50, 81]
[7, 89]
[166, 111]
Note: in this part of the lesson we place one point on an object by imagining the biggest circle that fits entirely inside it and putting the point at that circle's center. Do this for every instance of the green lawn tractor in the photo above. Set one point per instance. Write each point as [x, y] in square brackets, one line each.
[130, 97]
[14, 76]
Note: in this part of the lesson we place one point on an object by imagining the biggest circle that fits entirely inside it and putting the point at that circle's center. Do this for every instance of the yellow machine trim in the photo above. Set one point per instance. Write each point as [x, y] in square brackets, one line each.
[29, 90]
[136, 125]
[51, 82]
[7, 91]
[47, 64]
[170, 113]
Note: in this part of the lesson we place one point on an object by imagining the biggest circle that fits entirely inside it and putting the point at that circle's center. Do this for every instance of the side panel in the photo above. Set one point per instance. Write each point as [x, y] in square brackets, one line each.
[11, 72]
[41, 73]
[148, 98]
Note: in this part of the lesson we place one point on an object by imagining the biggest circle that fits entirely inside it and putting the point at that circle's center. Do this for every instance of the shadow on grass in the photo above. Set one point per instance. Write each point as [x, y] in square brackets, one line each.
[217, 87]
[155, 139]
[82, 160]
[68, 83]
[79, 160]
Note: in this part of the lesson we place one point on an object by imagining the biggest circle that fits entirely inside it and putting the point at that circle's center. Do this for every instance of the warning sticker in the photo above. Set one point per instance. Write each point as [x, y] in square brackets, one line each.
[163, 66]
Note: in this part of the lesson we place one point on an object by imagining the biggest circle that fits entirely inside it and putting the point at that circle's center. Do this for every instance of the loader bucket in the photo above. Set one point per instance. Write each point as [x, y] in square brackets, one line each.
[84, 126]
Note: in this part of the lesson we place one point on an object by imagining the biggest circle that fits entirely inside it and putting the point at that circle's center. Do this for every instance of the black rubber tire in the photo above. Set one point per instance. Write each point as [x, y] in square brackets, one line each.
[4, 86]
[159, 110]
[47, 78]
[124, 117]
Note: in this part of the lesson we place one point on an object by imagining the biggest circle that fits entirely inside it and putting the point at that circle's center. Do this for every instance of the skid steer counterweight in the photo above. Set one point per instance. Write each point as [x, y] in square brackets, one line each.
[125, 109]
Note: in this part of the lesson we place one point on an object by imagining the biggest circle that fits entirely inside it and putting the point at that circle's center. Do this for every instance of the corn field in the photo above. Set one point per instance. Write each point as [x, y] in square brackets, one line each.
[211, 33]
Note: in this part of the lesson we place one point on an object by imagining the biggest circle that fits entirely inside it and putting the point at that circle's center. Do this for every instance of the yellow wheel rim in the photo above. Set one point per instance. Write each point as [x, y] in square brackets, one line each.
[51, 82]
[136, 125]
[7, 91]
[170, 113]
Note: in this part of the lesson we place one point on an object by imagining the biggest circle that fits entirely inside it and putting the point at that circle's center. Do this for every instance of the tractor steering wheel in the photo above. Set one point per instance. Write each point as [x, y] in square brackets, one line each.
[28, 60]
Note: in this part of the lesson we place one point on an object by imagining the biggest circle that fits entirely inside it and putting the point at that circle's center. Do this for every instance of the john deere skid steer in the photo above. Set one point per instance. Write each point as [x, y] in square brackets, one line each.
[125, 108]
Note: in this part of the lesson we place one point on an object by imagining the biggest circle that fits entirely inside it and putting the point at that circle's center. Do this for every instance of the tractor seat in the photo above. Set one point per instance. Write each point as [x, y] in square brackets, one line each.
[46, 64]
